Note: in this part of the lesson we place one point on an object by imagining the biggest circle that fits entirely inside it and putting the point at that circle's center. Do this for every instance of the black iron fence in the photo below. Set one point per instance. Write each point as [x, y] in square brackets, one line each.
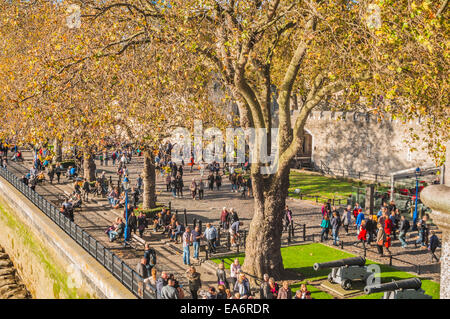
[344, 173]
[117, 267]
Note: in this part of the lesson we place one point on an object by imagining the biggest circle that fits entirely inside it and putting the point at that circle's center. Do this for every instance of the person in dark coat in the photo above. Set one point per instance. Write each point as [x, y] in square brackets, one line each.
[132, 222]
[222, 275]
[433, 244]
[141, 223]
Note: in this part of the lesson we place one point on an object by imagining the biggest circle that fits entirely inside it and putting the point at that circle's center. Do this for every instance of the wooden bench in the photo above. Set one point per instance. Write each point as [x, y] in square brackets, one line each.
[136, 242]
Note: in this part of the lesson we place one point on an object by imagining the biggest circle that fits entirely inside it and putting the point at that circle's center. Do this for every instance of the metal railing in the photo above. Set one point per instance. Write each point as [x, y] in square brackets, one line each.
[344, 173]
[116, 266]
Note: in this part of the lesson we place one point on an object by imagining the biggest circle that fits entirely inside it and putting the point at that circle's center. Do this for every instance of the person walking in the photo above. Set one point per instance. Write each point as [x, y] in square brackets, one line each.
[86, 190]
[132, 221]
[179, 185]
[359, 219]
[211, 181]
[287, 217]
[335, 224]
[201, 188]
[218, 181]
[325, 228]
[224, 218]
[141, 223]
[193, 188]
[362, 234]
[403, 229]
[194, 281]
[347, 218]
[211, 236]
[421, 227]
[433, 244]
[381, 236]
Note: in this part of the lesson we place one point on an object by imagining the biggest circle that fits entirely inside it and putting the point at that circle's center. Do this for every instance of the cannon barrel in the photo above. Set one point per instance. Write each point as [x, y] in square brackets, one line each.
[411, 283]
[353, 261]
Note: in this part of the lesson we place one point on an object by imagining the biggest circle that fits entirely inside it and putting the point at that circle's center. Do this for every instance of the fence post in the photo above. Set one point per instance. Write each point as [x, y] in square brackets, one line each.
[170, 205]
[364, 251]
[218, 236]
[304, 232]
[317, 199]
[390, 260]
[228, 241]
[200, 223]
[359, 175]
[121, 271]
[206, 253]
[376, 178]
[313, 238]
[289, 233]
[292, 228]
[195, 223]
[185, 218]
[342, 244]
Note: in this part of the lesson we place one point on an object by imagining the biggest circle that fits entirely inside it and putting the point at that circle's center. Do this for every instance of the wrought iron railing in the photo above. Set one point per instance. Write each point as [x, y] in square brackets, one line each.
[116, 266]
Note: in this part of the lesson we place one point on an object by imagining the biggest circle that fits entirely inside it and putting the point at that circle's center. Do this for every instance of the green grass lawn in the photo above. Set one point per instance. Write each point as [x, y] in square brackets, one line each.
[301, 259]
[320, 185]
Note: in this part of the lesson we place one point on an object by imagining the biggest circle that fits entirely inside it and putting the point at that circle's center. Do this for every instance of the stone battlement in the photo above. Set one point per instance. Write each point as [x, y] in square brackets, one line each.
[356, 117]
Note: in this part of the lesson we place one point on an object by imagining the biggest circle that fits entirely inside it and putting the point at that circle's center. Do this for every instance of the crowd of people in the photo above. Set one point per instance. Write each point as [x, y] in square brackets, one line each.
[235, 286]
[379, 229]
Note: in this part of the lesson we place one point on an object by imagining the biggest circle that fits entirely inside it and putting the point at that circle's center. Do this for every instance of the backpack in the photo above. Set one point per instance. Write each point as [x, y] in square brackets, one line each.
[407, 225]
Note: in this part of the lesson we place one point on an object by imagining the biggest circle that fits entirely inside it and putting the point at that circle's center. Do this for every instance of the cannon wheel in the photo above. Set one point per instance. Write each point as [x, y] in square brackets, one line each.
[330, 278]
[346, 284]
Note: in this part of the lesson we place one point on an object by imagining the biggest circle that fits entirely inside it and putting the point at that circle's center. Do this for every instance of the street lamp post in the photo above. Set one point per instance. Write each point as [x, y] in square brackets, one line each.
[417, 195]
[126, 186]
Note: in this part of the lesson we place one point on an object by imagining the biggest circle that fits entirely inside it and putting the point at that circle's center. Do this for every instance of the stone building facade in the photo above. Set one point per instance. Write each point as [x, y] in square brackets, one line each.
[353, 141]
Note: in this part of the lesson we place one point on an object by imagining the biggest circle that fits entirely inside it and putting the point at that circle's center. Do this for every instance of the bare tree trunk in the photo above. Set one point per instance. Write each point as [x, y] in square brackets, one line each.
[262, 253]
[89, 166]
[149, 178]
[58, 150]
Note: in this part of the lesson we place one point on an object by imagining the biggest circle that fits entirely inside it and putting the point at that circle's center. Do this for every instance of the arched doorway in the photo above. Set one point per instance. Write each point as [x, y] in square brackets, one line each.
[303, 159]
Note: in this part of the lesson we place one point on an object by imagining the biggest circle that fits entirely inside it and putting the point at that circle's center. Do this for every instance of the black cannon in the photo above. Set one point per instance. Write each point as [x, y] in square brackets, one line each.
[354, 261]
[401, 289]
[346, 270]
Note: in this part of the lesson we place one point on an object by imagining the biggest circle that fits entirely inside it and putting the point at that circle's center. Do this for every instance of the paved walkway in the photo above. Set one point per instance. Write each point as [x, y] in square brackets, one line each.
[97, 215]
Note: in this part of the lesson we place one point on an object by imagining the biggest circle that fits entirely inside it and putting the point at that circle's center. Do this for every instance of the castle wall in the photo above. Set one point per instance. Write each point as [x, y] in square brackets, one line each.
[361, 142]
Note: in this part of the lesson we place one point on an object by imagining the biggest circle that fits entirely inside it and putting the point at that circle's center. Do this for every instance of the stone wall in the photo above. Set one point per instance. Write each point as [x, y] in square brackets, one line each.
[50, 263]
[11, 286]
[360, 142]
